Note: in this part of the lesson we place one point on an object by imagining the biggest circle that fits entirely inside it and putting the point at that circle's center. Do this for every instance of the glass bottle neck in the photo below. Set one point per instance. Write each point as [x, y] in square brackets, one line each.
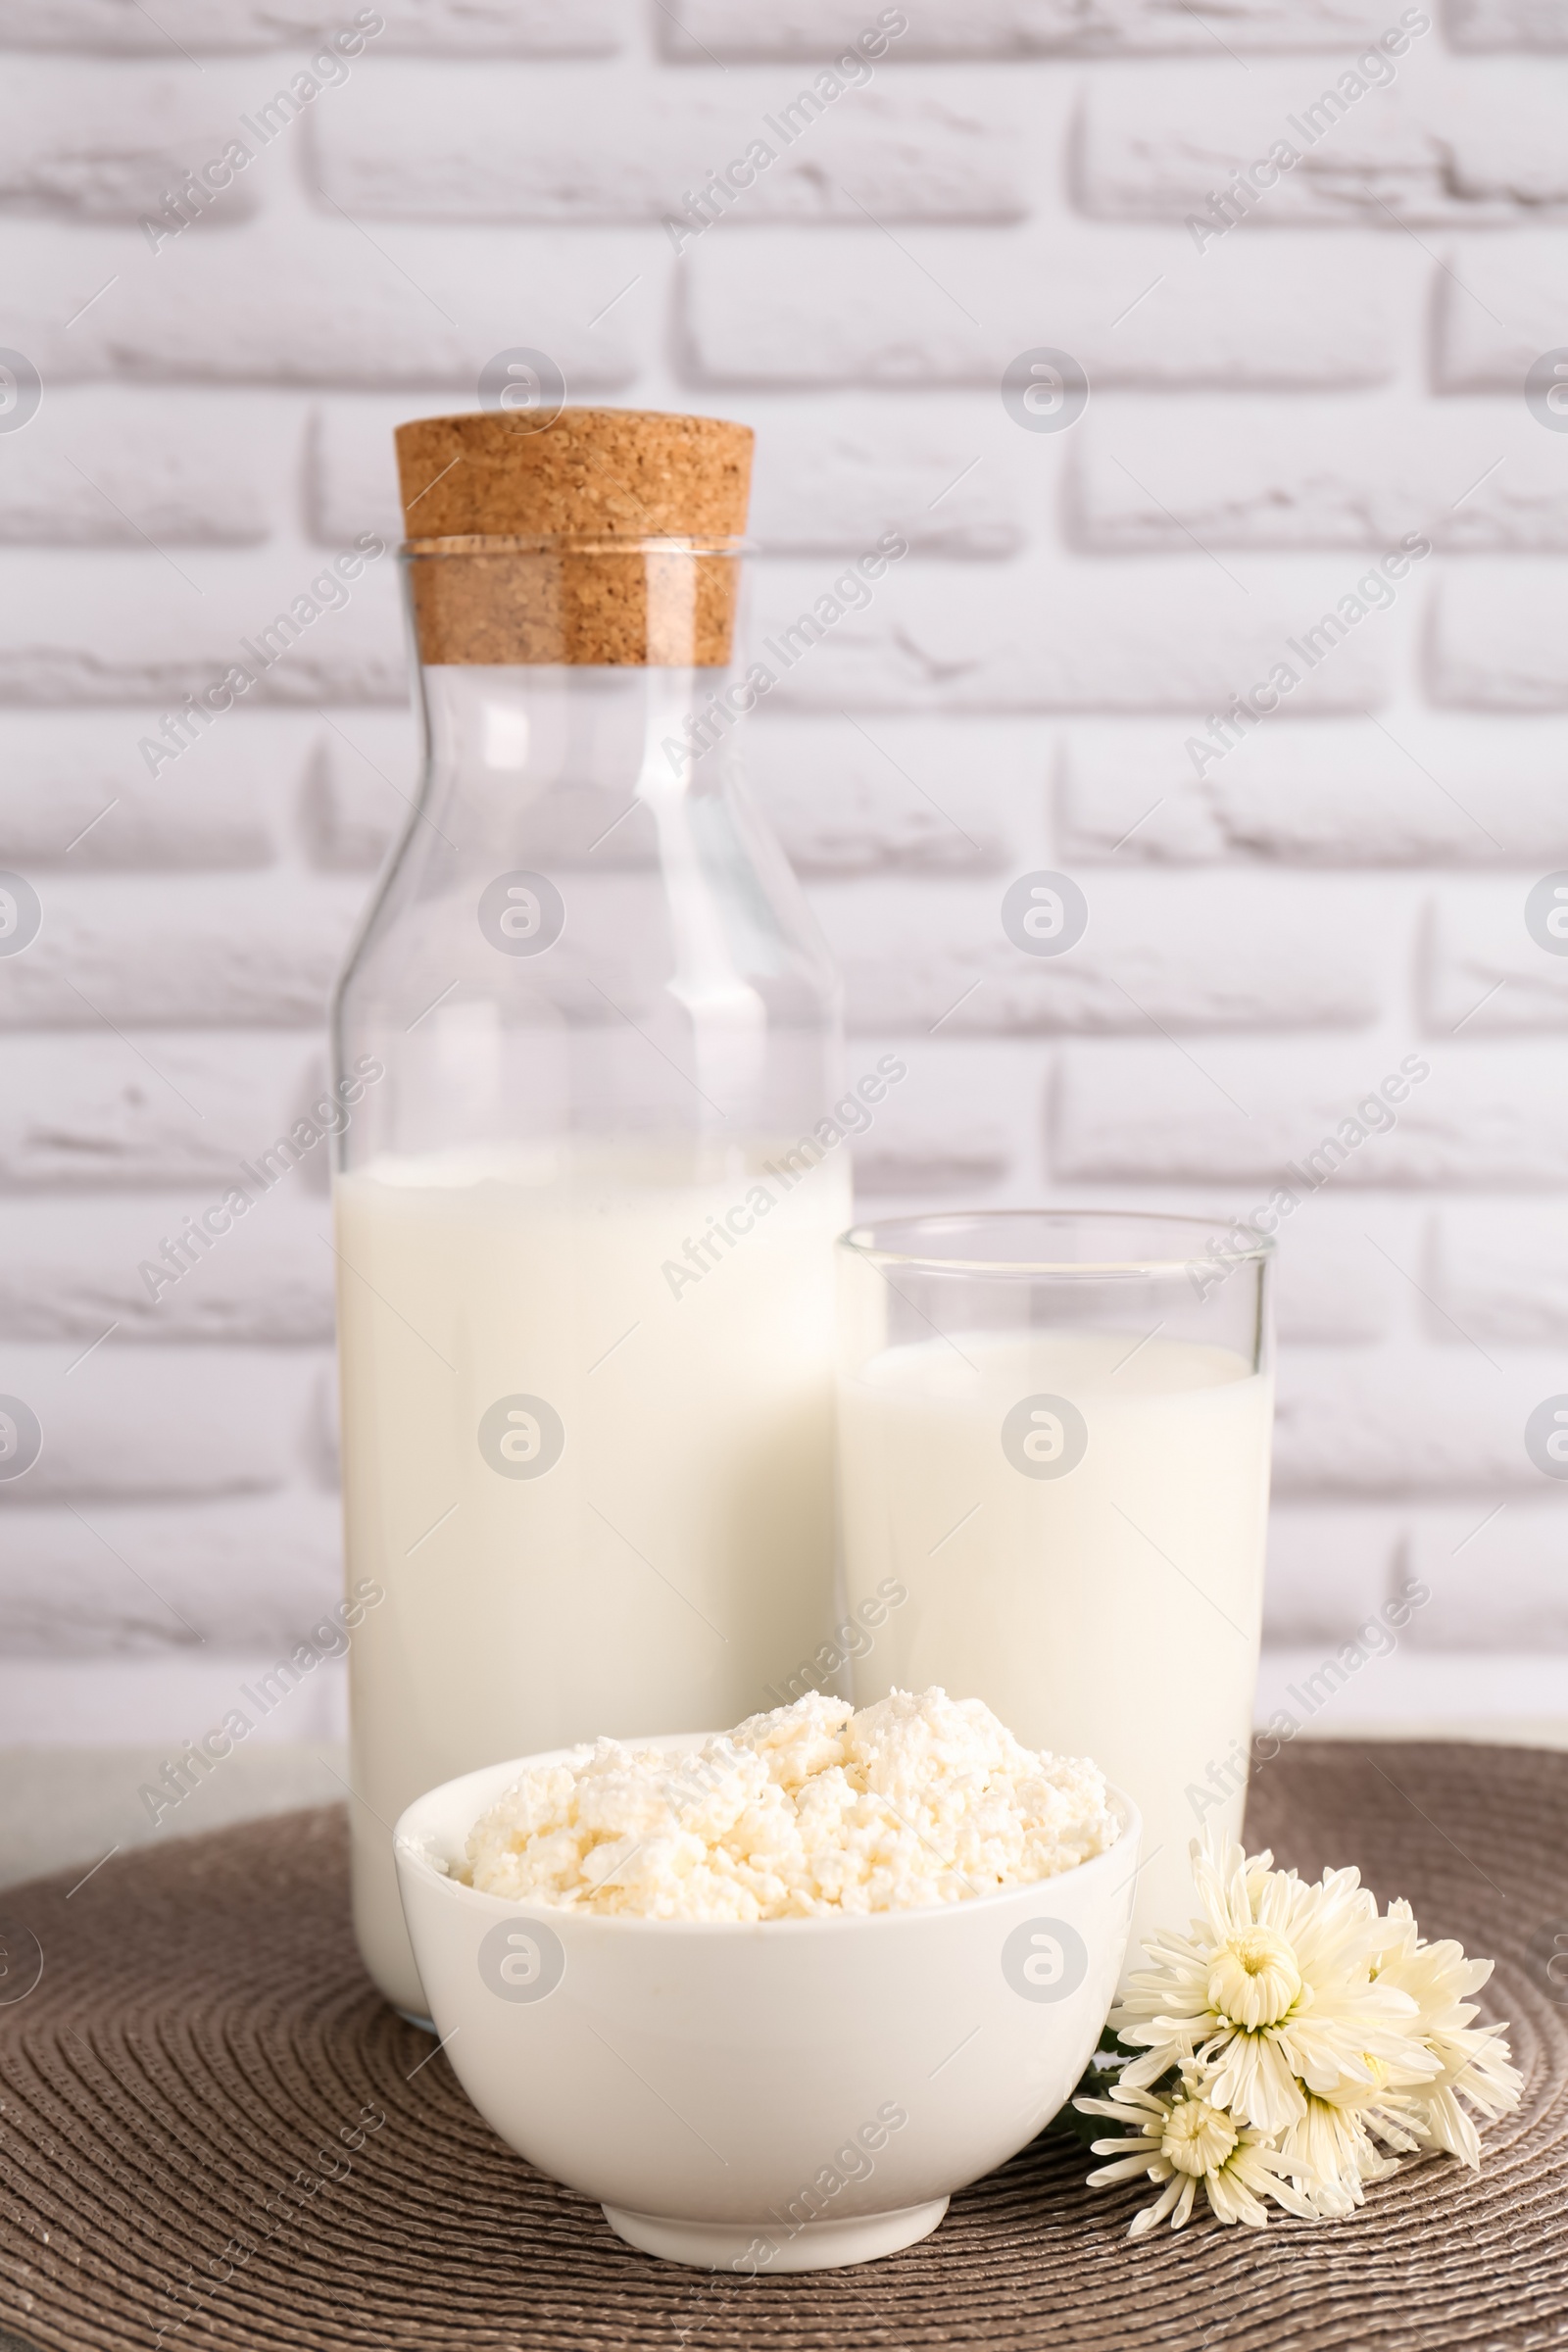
[587, 931]
[642, 729]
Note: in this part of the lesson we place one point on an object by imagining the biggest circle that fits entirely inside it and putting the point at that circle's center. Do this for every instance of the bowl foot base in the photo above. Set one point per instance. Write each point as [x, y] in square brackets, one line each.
[744, 2246]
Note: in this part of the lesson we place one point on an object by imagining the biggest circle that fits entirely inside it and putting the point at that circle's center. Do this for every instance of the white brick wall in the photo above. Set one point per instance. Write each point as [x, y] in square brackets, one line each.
[1446, 143]
[1270, 410]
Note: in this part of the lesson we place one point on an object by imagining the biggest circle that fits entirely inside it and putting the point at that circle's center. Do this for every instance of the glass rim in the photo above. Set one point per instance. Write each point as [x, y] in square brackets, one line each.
[864, 1241]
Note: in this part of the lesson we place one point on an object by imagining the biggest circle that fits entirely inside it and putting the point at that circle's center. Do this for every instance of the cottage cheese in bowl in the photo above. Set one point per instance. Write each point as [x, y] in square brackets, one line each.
[920, 1799]
[771, 1995]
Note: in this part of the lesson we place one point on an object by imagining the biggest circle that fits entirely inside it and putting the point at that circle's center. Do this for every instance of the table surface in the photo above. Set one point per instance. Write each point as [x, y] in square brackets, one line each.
[63, 1807]
[201, 2027]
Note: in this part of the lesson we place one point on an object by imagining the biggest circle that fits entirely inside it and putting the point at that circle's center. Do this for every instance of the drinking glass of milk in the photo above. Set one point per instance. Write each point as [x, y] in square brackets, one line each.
[1055, 1433]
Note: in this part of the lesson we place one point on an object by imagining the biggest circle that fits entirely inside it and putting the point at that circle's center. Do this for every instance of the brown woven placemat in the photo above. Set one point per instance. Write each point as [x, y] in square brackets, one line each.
[202, 2034]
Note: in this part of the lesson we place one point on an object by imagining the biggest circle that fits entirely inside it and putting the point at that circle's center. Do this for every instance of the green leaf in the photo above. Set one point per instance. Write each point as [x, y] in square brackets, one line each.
[1099, 2076]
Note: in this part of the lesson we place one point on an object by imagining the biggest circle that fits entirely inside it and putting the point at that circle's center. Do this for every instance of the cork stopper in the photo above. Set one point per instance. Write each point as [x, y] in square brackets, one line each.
[594, 473]
[542, 544]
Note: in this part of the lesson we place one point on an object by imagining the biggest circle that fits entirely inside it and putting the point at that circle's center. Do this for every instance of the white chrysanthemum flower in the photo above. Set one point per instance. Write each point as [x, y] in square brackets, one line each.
[1334, 2145]
[1185, 2142]
[1468, 2058]
[1274, 1993]
[1292, 2040]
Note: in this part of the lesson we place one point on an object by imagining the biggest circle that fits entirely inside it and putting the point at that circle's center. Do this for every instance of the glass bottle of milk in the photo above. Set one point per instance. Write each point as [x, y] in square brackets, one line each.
[586, 1204]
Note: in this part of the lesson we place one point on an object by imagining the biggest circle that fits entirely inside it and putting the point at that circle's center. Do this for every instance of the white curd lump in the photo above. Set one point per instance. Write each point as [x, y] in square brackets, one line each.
[919, 1799]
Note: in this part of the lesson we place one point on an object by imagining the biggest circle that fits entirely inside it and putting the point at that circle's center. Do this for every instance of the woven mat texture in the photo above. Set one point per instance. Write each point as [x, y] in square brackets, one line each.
[202, 2032]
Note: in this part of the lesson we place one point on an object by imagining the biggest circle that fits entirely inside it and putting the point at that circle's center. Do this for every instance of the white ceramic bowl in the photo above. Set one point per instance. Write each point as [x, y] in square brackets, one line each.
[781, 2097]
